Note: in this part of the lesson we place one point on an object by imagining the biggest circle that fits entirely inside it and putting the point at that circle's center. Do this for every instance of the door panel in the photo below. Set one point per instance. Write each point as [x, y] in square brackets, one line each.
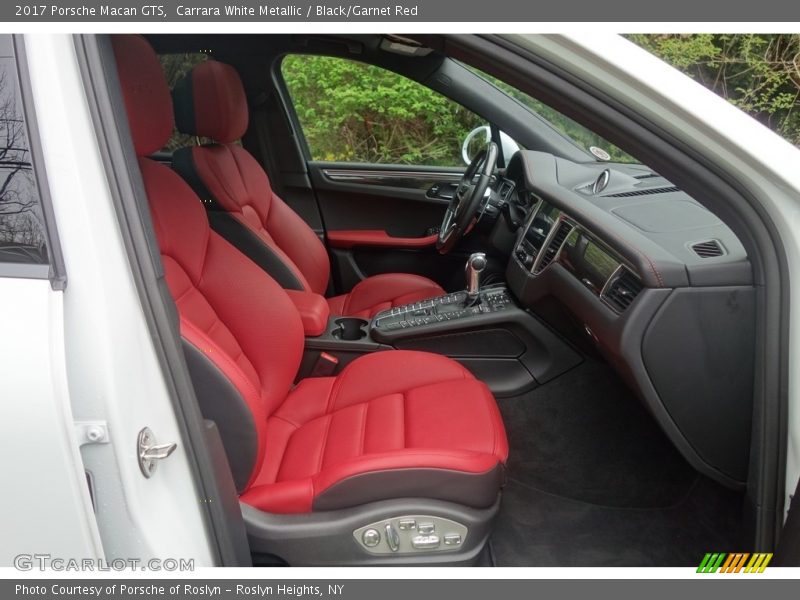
[384, 219]
[380, 197]
[363, 130]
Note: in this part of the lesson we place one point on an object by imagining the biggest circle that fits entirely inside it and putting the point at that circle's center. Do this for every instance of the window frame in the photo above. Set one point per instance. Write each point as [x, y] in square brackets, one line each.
[54, 269]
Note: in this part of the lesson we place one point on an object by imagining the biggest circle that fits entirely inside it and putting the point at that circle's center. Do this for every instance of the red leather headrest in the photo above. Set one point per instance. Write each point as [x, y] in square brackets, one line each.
[144, 87]
[210, 102]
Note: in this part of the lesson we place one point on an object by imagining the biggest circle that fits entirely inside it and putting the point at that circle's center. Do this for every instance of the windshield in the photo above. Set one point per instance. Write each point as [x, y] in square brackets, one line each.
[597, 146]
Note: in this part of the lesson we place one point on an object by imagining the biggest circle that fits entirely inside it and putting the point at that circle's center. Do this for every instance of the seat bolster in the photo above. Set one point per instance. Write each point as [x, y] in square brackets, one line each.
[285, 497]
[380, 292]
[336, 306]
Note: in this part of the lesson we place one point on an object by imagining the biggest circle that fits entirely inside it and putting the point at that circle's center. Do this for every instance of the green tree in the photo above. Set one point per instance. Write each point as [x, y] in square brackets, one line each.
[759, 73]
[351, 111]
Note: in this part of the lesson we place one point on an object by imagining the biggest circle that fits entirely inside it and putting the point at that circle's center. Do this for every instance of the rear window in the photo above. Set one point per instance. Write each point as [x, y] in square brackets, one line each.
[175, 66]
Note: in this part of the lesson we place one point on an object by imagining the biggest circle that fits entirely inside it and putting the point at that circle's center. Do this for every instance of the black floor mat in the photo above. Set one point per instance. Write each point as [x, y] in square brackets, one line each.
[585, 436]
[593, 481]
[539, 529]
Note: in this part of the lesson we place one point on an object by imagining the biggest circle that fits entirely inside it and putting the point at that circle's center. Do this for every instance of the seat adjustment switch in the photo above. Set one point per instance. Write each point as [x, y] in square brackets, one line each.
[371, 538]
[392, 538]
[410, 534]
[425, 542]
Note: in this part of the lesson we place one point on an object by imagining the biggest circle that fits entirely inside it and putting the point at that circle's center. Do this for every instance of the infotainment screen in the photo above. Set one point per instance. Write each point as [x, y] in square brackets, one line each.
[603, 264]
[590, 262]
[540, 227]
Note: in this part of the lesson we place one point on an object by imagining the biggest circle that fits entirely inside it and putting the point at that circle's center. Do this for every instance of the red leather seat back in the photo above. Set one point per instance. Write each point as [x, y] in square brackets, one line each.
[231, 312]
[210, 102]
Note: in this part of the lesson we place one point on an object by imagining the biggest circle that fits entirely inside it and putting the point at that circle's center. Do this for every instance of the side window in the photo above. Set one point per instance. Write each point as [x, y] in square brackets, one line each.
[22, 231]
[353, 112]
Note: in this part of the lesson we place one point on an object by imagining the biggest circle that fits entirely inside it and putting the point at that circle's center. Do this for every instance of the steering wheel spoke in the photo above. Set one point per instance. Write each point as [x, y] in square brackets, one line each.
[467, 199]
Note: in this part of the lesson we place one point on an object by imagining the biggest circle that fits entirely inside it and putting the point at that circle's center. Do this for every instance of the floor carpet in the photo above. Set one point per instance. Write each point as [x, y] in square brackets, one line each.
[593, 481]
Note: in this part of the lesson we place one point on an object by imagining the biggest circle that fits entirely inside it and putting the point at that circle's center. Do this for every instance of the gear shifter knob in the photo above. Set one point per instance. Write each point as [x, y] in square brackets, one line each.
[475, 265]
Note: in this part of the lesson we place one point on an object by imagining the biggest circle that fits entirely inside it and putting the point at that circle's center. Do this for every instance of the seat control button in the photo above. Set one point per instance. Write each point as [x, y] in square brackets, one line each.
[371, 538]
[392, 538]
[425, 542]
[426, 528]
[407, 524]
[407, 533]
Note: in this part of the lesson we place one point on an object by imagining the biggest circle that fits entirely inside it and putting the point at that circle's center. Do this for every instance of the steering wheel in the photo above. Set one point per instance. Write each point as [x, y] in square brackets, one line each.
[460, 214]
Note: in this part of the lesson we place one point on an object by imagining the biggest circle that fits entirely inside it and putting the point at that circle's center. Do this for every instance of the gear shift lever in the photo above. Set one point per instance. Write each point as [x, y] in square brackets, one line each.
[475, 265]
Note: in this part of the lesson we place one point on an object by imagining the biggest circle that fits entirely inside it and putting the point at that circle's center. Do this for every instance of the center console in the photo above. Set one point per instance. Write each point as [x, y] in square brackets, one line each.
[439, 313]
[484, 329]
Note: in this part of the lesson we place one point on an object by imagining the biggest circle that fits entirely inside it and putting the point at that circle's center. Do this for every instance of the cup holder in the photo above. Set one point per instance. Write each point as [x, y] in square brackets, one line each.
[350, 329]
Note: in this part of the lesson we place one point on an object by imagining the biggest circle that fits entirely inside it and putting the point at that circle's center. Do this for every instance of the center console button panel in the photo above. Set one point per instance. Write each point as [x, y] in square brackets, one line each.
[446, 308]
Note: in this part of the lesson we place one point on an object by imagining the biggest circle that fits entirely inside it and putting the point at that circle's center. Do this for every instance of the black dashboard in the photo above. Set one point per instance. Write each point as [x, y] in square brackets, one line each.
[665, 237]
[550, 235]
[655, 282]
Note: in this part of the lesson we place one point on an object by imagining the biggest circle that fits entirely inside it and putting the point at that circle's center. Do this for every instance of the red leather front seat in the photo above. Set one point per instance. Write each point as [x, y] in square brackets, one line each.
[210, 102]
[393, 424]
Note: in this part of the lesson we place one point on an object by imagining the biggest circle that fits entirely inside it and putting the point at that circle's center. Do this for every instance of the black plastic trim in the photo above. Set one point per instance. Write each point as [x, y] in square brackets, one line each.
[222, 403]
[183, 102]
[477, 490]
[249, 244]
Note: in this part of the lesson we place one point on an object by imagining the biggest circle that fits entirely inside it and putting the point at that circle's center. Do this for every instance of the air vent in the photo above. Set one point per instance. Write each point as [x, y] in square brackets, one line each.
[554, 246]
[645, 192]
[506, 188]
[708, 249]
[647, 176]
[623, 290]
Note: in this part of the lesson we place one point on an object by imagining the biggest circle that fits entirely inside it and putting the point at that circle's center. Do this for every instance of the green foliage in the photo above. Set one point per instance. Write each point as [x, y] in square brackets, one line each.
[583, 137]
[350, 111]
[759, 73]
